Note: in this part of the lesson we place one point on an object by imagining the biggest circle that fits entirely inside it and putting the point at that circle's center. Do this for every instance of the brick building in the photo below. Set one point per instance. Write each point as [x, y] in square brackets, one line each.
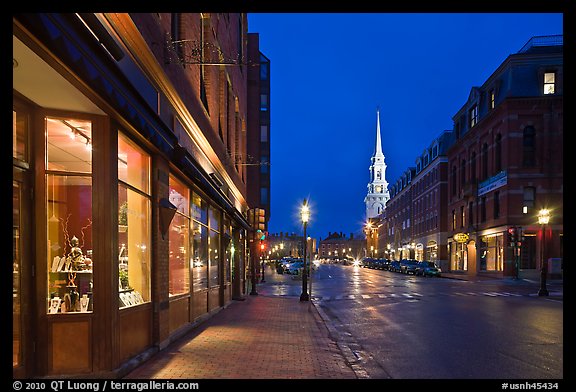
[130, 131]
[500, 165]
[507, 163]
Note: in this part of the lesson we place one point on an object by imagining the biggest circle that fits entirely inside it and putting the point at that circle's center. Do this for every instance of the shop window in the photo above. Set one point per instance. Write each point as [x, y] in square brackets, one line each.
[214, 258]
[491, 253]
[229, 249]
[69, 215]
[199, 209]
[134, 230]
[200, 256]
[214, 247]
[178, 259]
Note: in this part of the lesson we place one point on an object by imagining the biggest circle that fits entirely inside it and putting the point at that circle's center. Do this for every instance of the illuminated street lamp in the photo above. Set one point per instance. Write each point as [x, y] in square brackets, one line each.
[305, 215]
[543, 219]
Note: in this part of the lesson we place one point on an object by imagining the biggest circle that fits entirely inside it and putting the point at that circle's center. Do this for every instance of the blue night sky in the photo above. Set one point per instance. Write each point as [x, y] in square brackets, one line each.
[330, 73]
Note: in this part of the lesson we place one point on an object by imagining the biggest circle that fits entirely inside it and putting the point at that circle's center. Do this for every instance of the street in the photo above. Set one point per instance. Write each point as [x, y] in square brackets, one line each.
[395, 326]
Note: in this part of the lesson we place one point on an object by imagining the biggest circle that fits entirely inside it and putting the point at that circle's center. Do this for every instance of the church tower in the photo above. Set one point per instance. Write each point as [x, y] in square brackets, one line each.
[378, 193]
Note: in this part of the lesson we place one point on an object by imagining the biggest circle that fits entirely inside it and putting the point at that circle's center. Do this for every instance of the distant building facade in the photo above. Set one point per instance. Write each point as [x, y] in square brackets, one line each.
[501, 164]
[507, 163]
[337, 246]
[257, 160]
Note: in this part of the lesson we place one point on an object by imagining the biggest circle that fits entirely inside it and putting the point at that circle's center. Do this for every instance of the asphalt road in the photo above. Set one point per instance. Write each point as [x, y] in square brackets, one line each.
[394, 326]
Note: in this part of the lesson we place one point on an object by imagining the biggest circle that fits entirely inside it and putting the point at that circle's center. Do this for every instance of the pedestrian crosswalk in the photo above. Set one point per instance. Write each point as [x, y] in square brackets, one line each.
[416, 296]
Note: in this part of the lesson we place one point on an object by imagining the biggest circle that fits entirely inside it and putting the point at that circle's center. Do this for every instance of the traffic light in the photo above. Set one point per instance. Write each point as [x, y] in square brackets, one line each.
[512, 235]
[262, 246]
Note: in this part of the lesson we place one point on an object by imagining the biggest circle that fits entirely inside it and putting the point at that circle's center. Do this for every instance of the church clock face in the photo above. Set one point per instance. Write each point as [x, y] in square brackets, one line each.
[378, 189]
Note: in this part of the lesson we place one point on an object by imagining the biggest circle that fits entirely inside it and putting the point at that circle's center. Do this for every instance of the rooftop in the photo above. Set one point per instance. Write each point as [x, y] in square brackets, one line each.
[542, 41]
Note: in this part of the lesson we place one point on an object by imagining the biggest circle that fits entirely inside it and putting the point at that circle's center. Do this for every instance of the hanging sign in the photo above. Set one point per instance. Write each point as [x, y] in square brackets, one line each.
[461, 237]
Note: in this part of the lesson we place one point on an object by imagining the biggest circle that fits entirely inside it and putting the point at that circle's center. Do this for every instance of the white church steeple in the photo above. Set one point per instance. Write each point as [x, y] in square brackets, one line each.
[378, 193]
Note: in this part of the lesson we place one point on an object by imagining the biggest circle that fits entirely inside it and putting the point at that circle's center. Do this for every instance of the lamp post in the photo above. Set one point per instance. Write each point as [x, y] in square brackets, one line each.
[543, 219]
[305, 215]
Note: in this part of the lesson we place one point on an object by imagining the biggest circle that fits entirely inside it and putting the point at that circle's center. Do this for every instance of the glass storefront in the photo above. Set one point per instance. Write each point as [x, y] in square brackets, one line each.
[134, 231]
[68, 178]
[214, 247]
[458, 256]
[20, 156]
[491, 252]
[178, 237]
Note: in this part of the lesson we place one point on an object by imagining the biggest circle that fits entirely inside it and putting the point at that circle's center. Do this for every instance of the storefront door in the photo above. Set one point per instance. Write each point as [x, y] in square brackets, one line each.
[21, 277]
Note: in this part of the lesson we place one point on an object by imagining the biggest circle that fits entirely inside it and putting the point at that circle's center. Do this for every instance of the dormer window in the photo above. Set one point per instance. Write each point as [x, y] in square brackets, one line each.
[473, 116]
[549, 83]
[492, 99]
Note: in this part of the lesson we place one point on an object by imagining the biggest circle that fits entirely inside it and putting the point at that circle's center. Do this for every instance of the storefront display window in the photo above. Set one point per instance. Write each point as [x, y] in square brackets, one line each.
[214, 258]
[200, 256]
[490, 253]
[179, 263]
[19, 153]
[199, 209]
[458, 256]
[134, 231]
[229, 249]
[69, 215]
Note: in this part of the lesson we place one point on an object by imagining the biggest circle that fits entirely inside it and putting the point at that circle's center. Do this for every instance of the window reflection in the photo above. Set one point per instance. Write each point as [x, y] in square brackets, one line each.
[68, 179]
[134, 231]
[179, 264]
[200, 256]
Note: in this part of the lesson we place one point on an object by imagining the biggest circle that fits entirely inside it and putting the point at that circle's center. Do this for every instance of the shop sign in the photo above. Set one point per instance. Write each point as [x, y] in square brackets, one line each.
[461, 237]
[492, 183]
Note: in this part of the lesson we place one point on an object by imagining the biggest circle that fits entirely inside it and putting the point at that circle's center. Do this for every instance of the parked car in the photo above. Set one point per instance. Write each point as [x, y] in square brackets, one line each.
[366, 262]
[295, 267]
[408, 266]
[394, 266]
[427, 268]
[381, 264]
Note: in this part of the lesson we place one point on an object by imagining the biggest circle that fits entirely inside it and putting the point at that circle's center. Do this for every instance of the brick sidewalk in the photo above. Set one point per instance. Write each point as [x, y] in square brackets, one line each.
[259, 338]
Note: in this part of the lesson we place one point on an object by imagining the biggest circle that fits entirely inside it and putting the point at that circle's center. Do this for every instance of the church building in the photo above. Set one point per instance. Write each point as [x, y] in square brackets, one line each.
[378, 193]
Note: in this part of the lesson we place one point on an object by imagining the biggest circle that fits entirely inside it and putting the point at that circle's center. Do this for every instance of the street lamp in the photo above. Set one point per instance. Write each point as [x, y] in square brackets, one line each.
[305, 215]
[543, 219]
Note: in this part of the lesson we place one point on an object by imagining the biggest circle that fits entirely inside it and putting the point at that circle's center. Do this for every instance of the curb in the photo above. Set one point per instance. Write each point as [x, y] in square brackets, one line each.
[351, 359]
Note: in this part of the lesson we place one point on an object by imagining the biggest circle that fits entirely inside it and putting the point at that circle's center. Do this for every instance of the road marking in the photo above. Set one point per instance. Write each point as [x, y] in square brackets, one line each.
[366, 296]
